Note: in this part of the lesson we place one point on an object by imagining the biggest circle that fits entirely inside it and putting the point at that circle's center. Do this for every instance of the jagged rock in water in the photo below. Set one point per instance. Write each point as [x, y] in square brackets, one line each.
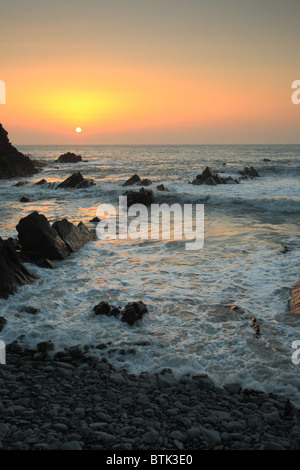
[132, 180]
[143, 196]
[133, 311]
[76, 180]
[13, 273]
[103, 308]
[144, 182]
[74, 237]
[208, 176]
[161, 187]
[39, 240]
[249, 172]
[12, 162]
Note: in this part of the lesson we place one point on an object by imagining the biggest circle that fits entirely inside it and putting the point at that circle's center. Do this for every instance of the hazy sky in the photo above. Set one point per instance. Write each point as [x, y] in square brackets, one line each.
[159, 71]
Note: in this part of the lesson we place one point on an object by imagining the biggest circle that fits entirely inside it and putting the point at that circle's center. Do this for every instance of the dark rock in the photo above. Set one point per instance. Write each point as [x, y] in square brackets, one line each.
[208, 176]
[2, 323]
[24, 199]
[69, 157]
[76, 181]
[133, 180]
[161, 187]
[295, 298]
[13, 273]
[133, 311]
[31, 309]
[267, 160]
[43, 181]
[143, 196]
[74, 237]
[12, 162]
[144, 182]
[39, 240]
[45, 346]
[103, 308]
[44, 263]
[20, 183]
[95, 220]
[249, 172]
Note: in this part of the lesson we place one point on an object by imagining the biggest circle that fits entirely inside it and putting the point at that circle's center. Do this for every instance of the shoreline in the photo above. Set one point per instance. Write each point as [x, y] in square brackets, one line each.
[71, 400]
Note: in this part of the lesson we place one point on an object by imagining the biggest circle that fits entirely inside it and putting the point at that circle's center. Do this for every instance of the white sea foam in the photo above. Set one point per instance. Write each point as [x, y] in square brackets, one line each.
[187, 327]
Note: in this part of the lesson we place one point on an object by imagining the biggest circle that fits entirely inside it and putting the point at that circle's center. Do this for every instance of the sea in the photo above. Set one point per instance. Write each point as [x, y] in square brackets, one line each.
[250, 258]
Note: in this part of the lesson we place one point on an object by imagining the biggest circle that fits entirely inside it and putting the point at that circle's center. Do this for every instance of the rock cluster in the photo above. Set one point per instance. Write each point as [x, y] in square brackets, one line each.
[132, 312]
[69, 400]
[39, 240]
[143, 196]
[211, 177]
[12, 162]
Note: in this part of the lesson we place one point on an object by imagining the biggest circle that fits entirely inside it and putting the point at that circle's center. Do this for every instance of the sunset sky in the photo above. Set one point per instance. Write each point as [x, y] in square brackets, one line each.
[150, 72]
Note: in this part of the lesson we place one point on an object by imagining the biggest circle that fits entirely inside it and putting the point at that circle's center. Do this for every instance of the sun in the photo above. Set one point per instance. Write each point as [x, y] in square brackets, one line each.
[78, 129]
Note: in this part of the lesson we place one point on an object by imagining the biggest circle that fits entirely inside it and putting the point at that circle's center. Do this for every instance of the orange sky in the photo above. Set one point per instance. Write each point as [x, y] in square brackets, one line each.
[128, 72]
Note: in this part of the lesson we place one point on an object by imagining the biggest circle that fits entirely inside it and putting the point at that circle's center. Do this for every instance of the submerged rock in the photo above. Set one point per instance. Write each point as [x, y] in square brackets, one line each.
[143, 196]
[13, 273]
[76, 180]
[69, 157]
[132, 180]
[12, 162]
[20, 183]
[24, 199]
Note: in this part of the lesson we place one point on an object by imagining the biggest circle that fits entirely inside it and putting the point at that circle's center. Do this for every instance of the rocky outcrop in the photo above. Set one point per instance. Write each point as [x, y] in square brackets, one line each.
[132, 180]
[69, 157]
[40, 241]
[295, 298]
[144, 182]
[161, 187]
[76, 181]
[212, 178]
[13, 273]
[143, 196]
[12, 162]
[74, 237]
[249, 172]
[131, 313]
